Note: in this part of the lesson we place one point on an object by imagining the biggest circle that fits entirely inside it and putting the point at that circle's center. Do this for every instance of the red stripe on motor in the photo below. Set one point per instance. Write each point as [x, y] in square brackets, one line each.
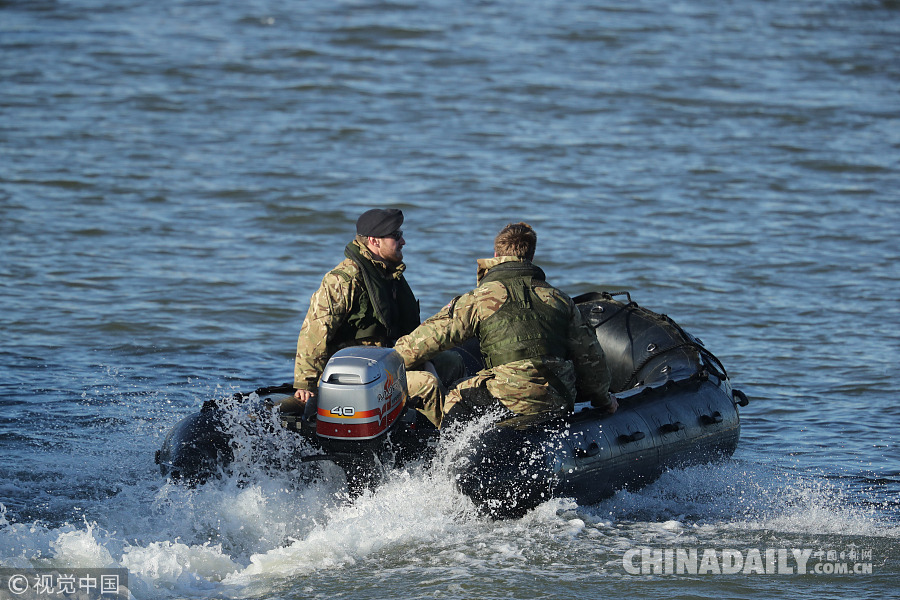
[356, 430]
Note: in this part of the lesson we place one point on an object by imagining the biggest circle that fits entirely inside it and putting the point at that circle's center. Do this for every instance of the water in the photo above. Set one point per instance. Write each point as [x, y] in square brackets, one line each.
[175, 178]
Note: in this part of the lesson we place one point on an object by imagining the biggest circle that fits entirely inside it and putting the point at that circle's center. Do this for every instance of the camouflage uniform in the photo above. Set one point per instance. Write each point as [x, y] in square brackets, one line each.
[343, 293]
[344, 296]
[522, 386]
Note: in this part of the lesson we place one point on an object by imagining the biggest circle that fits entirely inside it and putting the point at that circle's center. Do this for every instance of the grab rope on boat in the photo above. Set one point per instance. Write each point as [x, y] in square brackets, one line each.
[708, 359]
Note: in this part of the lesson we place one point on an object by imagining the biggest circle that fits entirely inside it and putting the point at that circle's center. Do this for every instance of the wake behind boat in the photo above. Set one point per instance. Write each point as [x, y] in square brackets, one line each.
[676, 408]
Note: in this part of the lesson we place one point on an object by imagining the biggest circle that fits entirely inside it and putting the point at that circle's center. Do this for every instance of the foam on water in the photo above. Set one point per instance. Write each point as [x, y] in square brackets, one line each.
[261, 529]
[760, 495]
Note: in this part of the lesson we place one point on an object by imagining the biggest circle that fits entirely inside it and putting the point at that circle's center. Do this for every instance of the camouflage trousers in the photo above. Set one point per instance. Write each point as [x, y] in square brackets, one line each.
[427, 392]
[429, 395]
[484, 389]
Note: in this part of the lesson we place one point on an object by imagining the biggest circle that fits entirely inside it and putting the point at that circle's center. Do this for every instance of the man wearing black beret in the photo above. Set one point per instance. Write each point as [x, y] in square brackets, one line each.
[379, 222]
[364, 301]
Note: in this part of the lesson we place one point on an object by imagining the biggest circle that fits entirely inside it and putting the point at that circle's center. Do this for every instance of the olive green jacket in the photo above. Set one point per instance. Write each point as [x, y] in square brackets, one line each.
[521, 385]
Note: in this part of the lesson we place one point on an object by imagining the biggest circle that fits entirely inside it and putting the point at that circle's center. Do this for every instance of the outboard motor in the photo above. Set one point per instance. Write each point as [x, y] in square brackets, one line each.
[362, 395]
[361, 400]
[360, 419]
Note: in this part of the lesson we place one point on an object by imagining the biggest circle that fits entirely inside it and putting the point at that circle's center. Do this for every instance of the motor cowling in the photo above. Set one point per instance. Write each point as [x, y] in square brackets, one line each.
[362, 394]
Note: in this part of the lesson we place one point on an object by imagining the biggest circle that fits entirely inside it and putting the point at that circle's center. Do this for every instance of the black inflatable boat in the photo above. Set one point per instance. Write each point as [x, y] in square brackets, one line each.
[676, 408]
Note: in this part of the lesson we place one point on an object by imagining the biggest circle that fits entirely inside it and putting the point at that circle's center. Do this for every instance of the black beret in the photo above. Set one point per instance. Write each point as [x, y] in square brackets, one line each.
[379, 222]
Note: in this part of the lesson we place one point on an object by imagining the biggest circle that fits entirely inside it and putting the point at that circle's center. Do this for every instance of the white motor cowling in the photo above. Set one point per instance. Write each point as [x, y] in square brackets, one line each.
[362, 393]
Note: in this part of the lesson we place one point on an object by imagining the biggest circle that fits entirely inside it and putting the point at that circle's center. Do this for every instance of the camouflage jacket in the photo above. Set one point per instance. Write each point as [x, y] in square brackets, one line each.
[323, 331]
[520, 384]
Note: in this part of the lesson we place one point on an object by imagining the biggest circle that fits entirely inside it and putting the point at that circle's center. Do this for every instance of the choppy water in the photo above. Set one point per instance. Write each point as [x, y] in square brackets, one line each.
[176, 177]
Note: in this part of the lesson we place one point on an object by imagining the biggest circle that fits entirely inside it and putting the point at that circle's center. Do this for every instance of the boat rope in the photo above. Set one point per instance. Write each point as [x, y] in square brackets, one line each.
[709, 360]
[704, 353]
[717, 368]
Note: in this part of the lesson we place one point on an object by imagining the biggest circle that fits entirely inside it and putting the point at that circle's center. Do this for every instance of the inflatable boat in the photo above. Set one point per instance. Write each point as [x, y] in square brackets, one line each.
[676, 408]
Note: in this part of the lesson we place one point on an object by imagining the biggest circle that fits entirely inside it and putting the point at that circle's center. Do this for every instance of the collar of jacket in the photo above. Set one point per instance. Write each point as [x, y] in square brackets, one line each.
[486, 264]
[388, 270]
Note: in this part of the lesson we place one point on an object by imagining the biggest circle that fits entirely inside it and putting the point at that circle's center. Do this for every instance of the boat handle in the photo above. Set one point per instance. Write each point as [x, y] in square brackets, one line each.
[592, 450]
[712, 419]
[671, 427]
[741, 397]
[633, 437]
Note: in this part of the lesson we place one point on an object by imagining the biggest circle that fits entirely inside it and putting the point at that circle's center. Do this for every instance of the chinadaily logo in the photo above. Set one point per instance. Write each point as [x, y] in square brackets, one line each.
[754, 561]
